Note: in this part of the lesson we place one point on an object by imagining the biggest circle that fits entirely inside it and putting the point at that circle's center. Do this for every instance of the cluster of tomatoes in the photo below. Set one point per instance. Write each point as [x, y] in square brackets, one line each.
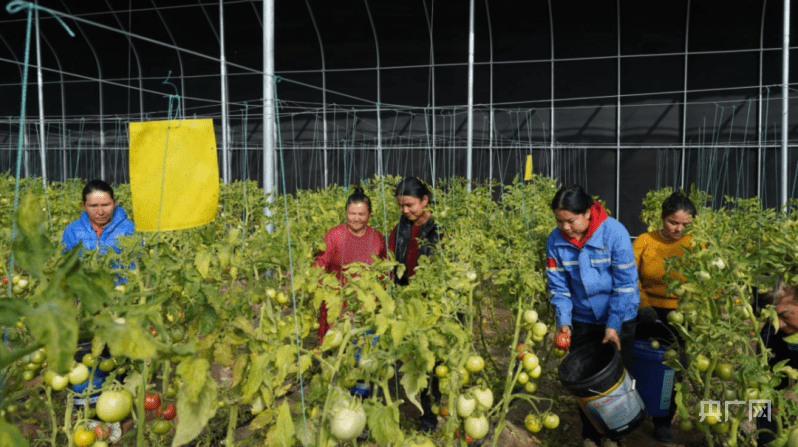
[164, 414]
[471, 405]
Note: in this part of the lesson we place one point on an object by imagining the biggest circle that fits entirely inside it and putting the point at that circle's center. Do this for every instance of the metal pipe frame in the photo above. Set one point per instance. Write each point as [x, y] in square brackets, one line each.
[759, 133]
[683, 180]
[323, 91]
[551, 131]
[100, 86]
[268, 108]
[379, 90]
[63, 135]
[138, 62]
[618, 117]
[491, 115]
[179, 57]
[430, 16]
[785, 106]
[39, 82]
[225, 123]
[470, 131]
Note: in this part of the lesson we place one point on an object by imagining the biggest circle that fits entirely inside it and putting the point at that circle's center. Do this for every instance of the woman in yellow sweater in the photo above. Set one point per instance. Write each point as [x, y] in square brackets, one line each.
[651, 249]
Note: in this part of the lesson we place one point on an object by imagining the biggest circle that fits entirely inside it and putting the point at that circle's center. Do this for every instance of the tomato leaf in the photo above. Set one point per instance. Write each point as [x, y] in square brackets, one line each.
[282, 432]
[32, 248]
[10, 435]
[91, 288]
[55, 325]
[257, 371]
[203, 262]
[207, 320]
[413, 381]
[10, 311]
[238, 369]
[196, 399]
[223, 353]
[130, 340]
[264, 419]
[383, 423]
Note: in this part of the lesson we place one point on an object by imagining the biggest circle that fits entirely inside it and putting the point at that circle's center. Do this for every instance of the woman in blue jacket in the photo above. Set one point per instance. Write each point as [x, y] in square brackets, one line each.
[100, 224]
[592, 279]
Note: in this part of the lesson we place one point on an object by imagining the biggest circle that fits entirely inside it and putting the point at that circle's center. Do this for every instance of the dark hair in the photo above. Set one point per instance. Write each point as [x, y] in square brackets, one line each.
[677, 202]
[413, 187]
[572, 198]
[358, 196]
[97, 185]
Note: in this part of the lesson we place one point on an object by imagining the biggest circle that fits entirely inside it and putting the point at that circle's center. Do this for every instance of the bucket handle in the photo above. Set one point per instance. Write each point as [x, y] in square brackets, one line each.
[632, 390]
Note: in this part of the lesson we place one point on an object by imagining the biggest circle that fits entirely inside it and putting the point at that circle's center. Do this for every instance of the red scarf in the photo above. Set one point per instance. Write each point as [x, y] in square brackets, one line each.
[597, 216]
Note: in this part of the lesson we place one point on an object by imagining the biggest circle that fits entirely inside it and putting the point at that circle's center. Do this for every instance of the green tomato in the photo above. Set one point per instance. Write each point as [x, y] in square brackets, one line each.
[533, 423]
[551, 421]
[107, 365]
[675, 317]
[79, 374]
[59, 382]
[89, 360]
[530, 361]
[113, 406]
[161, 427]
[539, 329]
[723, 371]
[477, 427]
[38, 357]
[474, 364]
[530, 316]
[701, 363]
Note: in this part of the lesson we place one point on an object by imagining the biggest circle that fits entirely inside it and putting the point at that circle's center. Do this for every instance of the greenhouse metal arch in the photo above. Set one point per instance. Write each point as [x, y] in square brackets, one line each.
[603, 95]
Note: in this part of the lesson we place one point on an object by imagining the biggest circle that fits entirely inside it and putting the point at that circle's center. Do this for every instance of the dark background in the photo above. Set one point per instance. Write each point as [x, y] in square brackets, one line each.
[512, 77]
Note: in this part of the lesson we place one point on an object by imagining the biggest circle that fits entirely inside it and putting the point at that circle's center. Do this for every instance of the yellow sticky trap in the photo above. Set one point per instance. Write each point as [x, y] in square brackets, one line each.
[528, 169]
[174, 161]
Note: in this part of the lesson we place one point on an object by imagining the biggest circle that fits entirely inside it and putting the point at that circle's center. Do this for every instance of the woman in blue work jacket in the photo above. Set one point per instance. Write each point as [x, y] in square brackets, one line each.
[100, 224]
[592, 278]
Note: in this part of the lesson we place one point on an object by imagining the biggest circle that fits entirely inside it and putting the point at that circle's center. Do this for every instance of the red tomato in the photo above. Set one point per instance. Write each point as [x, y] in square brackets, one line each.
[152, 401]
[563, 340]
[167, 413]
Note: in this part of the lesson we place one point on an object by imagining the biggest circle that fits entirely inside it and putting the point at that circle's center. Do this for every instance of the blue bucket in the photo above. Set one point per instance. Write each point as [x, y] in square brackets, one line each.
[654, 380]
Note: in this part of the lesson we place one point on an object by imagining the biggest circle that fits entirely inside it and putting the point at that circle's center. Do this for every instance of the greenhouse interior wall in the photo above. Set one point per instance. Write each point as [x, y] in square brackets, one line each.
[604, 95]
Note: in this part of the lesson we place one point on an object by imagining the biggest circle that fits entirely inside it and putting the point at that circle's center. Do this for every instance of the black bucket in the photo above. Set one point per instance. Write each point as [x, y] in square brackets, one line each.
[606, 392]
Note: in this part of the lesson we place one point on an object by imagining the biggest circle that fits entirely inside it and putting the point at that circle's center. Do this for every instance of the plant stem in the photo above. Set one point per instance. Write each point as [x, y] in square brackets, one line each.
[140, 404]
[231, 426]
[48, 391]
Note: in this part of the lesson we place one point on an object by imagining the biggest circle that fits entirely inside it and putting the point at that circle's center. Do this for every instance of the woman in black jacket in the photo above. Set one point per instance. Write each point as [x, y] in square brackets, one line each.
[416, 234]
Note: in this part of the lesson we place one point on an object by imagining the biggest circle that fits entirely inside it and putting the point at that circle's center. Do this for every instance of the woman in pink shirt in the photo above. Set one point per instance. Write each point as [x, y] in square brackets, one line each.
[352, 241]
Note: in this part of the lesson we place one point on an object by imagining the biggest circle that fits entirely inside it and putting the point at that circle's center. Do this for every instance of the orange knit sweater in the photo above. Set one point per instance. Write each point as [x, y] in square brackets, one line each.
[651, 249]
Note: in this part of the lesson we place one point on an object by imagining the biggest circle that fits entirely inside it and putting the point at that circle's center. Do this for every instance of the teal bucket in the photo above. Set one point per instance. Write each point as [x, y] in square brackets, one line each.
[595, 375]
